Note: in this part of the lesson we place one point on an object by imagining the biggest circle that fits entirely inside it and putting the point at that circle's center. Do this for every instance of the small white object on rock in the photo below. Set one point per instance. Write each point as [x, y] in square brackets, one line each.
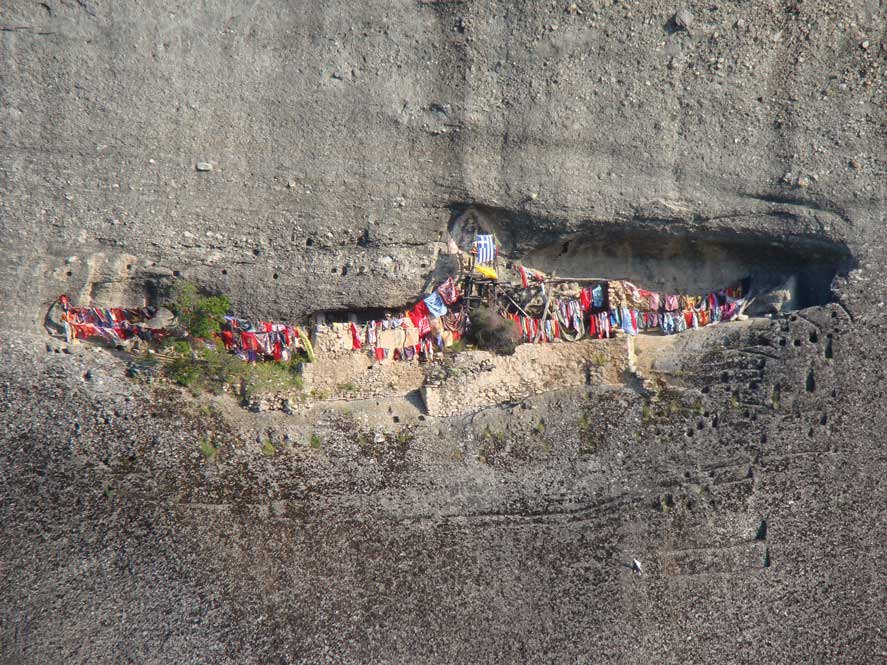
[204, 166]
[803, 181]
[865, 45]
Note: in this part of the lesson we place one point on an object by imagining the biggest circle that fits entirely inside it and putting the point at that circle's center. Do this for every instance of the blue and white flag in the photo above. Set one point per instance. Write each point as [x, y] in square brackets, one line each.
[486, 249]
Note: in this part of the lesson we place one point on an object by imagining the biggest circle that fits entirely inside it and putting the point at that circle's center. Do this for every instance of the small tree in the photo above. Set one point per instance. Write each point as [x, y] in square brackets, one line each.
[491, 332]
[201, 315]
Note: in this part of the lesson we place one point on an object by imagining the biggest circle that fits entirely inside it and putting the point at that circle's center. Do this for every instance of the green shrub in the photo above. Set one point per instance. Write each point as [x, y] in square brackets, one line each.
[183, 371]
[315, 441]
[207, 449]
[181, 347]
[491, 332]
[200, 314]
[268, 449]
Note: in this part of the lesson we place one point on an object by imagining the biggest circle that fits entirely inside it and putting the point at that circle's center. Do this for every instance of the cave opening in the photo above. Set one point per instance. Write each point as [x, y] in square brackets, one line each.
[787, 271]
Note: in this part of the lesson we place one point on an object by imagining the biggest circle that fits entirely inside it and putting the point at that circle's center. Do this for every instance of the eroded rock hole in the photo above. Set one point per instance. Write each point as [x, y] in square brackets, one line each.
[309, 242]
[829, 350]
[810, 383]
[356, 314]
[762, 530]
[814, 338]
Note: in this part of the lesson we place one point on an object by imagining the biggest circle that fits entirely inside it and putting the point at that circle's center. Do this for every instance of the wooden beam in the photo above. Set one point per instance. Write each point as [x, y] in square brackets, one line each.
[544, 313]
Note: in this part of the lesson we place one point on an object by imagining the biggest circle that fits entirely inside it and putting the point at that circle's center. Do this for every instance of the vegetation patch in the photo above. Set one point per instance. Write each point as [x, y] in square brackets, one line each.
[492, 446]
[207, 449]
[491, 332]
[210, 370]
[199, 314]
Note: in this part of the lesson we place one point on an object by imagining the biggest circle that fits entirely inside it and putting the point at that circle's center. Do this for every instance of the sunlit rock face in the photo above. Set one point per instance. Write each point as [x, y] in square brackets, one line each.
[316, 156]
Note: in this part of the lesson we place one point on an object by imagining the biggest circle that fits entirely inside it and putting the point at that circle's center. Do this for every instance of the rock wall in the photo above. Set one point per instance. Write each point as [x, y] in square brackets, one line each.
[343, 140]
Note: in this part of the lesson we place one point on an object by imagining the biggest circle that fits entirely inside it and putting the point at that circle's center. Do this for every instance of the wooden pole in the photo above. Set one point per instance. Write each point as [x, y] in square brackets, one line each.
[470, 282]
[544, 312]
[519, 308]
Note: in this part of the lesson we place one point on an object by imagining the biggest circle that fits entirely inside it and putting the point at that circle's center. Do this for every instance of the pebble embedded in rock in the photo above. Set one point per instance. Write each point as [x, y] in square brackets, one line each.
[204, 166]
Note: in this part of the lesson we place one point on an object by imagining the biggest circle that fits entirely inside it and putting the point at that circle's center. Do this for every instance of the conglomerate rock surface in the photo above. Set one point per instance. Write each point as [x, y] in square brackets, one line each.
[345, 140]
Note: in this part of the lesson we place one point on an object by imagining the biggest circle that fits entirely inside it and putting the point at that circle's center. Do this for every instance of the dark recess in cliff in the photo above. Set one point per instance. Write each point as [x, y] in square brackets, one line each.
[668, 255]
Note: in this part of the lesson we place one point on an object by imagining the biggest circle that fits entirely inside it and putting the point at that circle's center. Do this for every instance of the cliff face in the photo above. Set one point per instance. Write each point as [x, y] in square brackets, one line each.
[344, 142]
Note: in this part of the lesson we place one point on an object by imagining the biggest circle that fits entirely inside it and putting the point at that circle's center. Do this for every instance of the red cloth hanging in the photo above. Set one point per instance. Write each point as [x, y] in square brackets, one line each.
[355, 338]
[421, 309]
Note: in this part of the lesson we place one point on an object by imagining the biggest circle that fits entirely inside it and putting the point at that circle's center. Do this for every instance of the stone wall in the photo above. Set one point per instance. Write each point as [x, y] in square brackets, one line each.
[477, 379]
[341, 372]
[357, 375]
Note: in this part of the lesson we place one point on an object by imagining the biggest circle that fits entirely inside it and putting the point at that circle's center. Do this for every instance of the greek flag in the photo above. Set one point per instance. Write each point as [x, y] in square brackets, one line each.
[486, 249]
